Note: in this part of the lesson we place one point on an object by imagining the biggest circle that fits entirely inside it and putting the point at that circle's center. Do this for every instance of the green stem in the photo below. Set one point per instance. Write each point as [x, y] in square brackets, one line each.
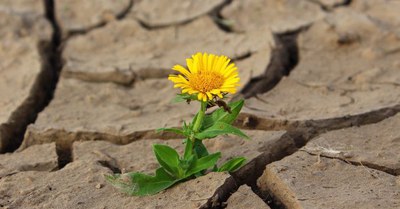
[198, 148]
[200, 116]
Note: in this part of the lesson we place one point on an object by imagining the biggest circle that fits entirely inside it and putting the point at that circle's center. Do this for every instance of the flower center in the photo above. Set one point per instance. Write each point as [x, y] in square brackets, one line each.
[206, 81]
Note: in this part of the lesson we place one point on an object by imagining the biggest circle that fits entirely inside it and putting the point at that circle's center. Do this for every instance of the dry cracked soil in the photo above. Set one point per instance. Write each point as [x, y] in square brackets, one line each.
[83, 88]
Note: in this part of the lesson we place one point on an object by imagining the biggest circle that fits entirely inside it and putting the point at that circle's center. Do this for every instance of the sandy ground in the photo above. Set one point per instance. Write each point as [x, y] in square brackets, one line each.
[83, 87]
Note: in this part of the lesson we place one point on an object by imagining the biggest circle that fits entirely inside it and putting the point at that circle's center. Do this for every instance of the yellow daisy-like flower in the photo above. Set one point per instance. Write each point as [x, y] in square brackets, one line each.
[208, 76]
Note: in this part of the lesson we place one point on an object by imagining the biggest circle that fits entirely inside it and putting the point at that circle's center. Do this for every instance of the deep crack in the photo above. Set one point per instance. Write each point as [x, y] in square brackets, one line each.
[249, 173]
[298, 135]
[41, 93]
[284, 58]
[64, 154]
[222, 194]
[222, 23]
[267, 198]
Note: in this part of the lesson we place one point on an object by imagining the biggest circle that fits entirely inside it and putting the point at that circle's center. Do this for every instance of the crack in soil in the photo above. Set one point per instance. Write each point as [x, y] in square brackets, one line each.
[284, 59]
[250, 121]
[119, 16]
[330, 8]
[241, 57]
[152, 27]
[288, 144]
[65, 139]
[249, 173]
[64, 154]
[268, 199]
[213, 13]
[114, 168]
[373, 166]
[42, 90]
[296, 129]
[221, 22]
[221, 195]
[12, 133]
[298, 135]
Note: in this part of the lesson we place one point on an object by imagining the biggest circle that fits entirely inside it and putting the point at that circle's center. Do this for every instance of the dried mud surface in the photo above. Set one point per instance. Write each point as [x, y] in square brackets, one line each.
[83, 88]
[302, 181]
[280, 16]
[127, 52]
[23, 30]
[244, 197]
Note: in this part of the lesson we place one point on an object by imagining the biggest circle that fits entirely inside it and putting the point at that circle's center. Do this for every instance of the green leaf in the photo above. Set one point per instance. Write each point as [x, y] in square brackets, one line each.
[168, 159]
[186, 164]
[187, 129]
[232, 164]
[200, 149]
[203, 163]
[195, 118]
[141, 184]
[173, 130]
[188, 149]
[221, 116]
[220, 128]
[184, 97]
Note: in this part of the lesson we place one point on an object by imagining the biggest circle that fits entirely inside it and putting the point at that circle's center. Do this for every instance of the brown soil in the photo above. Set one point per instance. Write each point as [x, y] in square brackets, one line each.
[83, 88]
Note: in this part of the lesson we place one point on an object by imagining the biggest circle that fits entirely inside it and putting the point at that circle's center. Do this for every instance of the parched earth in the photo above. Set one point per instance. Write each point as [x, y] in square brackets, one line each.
[83, 87]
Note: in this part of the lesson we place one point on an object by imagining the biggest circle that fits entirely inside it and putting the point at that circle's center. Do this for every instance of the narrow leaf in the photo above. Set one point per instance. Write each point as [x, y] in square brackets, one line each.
[204, 163]
[232, 164]
[221, 116]
[173, 130]
[220, 128]
[187, 129]
[195, 118]
[168, 158]
[200, 149]
[188, 149]
[186, 164]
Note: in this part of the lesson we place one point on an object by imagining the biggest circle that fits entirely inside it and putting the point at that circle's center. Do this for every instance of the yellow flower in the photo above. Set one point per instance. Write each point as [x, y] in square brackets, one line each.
[208, 76]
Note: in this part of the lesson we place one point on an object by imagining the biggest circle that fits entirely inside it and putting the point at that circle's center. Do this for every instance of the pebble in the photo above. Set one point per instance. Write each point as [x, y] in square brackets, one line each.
[99, 186]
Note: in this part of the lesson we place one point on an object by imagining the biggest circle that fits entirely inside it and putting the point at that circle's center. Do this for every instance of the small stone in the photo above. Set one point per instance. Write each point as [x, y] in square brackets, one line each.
[99, 186]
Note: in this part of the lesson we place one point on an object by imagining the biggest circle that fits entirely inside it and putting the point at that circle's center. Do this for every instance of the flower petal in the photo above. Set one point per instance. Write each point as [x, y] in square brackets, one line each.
[209, 95]
[206, 76]
[182, 70]
[191, 66]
